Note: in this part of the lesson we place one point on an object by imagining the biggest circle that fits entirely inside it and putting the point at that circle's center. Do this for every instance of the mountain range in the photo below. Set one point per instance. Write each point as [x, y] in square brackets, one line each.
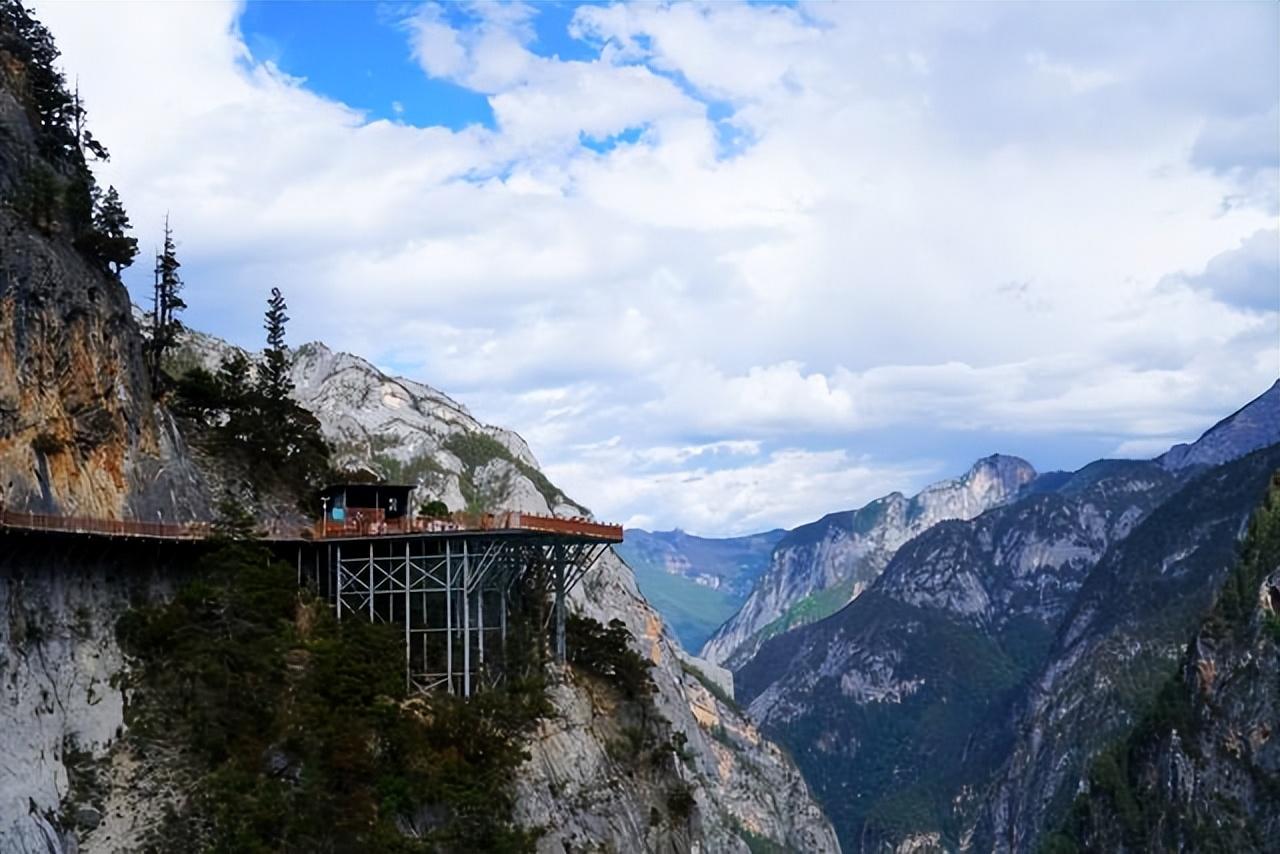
[818, 568]
[955, 704]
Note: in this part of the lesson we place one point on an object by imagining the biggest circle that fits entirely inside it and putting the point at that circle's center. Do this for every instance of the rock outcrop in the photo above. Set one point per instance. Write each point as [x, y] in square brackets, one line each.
[1121, 639]
[60, 700]
[743, 785]
[886, 699]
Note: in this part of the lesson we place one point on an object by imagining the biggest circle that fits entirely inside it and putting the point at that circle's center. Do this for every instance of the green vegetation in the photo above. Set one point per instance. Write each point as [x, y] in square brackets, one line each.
[711, 686]
[422, 469]
[605, 652]
[909, 751]
[475, 451]
[435, 509]
[758, 844]
[165, 306]
[645, 745]
[816, 606]
[47, 444]
[296, 732]
[253, 423]
[57, 194]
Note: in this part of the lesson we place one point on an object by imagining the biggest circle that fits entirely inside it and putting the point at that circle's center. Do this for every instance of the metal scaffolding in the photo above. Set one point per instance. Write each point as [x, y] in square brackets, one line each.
[453, 594]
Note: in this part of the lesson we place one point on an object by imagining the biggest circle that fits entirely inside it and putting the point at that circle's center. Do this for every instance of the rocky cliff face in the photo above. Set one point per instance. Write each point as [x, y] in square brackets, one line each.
[60, 700]
[818, 568]
[404, 430]
[79, 433]
[1120, 641]
[745, 787]
[1201, 772]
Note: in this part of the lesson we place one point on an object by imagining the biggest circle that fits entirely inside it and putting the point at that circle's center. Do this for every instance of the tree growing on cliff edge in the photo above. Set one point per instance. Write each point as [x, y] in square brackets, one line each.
[274, 383]
[115, 247]
[288, 435]
[106, 240]
[165, 304]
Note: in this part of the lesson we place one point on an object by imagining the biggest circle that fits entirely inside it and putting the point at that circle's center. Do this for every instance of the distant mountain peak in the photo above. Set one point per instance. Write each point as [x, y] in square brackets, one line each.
[1255, 425]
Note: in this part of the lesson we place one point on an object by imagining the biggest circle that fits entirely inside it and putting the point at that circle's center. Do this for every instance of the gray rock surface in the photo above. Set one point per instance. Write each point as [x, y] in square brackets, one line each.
[59, 663]
[1201, 774]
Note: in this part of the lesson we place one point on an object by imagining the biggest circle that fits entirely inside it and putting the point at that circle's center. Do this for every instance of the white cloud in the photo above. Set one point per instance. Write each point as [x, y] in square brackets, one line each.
[838, 220]
[787, 487]
[1247, 276]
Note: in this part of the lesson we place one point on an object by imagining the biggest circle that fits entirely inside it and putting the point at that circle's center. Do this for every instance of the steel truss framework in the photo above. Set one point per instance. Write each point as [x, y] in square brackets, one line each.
[453, 595]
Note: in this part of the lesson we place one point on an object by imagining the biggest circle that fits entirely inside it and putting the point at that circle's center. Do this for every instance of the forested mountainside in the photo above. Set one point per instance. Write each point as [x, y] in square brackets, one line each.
[697, 583]
[818, 568]
[89, 425]
[1201, 770]
[955, 704]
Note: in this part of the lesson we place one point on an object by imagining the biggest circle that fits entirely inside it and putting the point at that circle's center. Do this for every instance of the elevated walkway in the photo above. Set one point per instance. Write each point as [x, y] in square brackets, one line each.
[453, 584]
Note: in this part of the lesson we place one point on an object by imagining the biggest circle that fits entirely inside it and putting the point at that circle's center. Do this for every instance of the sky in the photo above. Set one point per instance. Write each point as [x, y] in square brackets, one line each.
[726, 267]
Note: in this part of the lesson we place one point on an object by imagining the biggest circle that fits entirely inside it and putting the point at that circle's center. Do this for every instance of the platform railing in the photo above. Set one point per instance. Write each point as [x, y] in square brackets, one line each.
[362, 527]
[367, 524]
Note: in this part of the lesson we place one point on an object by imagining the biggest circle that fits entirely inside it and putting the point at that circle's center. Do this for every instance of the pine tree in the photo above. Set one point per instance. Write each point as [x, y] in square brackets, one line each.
[111, 222]
[165, 303]
[284, 437]
[274, 382]
[234, 522]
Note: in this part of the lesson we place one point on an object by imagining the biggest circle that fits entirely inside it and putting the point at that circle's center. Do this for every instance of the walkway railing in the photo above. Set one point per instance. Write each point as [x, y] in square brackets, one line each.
[109, 527]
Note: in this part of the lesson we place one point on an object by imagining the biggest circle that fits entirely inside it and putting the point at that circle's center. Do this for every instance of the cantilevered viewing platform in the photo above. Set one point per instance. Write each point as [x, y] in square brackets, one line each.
[453, 582]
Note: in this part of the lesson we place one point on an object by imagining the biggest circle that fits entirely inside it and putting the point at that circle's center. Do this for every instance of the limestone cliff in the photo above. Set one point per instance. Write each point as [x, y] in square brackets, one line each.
[79, 433]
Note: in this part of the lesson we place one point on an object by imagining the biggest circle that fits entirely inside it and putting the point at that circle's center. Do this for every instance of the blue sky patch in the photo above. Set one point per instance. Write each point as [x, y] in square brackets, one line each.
[359, 54]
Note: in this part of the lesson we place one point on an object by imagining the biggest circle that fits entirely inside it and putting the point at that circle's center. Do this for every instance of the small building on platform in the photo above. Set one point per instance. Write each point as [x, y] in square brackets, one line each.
[367, 507]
